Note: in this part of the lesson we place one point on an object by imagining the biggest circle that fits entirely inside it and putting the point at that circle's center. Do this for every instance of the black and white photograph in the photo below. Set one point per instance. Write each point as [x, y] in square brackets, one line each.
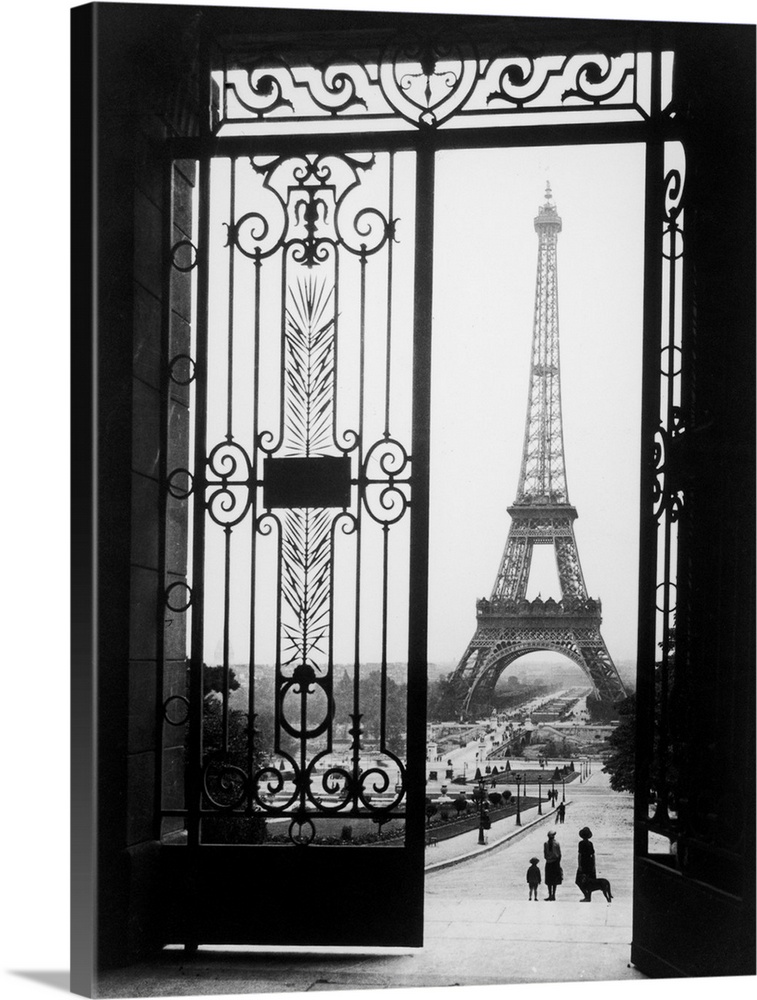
[412, 499]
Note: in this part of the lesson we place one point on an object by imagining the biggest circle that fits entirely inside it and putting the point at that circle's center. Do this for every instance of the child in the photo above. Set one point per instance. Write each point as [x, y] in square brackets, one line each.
[533, 877]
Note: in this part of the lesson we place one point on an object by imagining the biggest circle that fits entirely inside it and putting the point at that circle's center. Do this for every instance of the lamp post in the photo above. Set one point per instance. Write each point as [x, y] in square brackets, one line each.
[539, 780]
[517, 800]
[481, 839]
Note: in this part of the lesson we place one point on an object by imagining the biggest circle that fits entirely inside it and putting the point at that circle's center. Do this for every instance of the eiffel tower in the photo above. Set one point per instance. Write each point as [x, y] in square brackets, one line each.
[507, 625]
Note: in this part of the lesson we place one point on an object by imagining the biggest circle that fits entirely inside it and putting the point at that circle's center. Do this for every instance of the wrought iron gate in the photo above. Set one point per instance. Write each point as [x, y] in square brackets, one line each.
[300, 717]
[302, 488]
[298, 729]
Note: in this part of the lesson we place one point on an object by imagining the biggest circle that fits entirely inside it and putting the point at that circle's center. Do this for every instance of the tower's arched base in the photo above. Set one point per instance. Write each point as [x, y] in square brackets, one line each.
[507, 630]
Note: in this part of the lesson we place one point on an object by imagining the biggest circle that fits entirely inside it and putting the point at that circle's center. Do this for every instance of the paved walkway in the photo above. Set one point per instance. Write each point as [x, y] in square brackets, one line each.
[454, 850]
[484, 902]
[480, 928]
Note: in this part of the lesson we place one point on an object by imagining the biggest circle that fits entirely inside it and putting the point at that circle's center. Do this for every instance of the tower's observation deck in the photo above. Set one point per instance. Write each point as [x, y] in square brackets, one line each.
[548, 221]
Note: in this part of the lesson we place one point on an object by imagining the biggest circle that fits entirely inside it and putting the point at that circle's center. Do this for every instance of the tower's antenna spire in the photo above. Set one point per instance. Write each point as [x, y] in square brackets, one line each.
[542, 472]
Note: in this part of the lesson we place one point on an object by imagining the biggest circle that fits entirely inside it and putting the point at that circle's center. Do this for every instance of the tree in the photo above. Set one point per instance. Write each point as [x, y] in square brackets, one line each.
[213, 678]
[667, 751]
[227, 764]
[227, 772]
[620, 765]
[550, 749]
[600, 711]
[395, 721]
[443, 700]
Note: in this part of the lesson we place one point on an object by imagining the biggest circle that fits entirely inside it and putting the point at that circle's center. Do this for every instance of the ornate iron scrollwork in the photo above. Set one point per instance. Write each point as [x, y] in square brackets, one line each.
[426, 81]
[385, 492]
[229, 483]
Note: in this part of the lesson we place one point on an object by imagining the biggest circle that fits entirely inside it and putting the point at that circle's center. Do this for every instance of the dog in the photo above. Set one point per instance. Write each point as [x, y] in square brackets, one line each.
[590, 885]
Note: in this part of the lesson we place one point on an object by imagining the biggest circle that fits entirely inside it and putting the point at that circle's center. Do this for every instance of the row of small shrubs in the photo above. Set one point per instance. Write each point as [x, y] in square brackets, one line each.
[346, 837]
[462, 806]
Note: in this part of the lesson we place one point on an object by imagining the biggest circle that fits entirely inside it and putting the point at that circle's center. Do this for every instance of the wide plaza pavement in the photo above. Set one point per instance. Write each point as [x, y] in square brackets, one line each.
[482, 904]
[480, 928]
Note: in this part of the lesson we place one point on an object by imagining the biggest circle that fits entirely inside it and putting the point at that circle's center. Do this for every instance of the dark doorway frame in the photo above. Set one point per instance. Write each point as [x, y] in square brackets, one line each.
[712, 463]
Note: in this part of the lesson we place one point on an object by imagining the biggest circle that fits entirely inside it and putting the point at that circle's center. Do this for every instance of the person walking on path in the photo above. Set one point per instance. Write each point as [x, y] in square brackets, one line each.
[533, 878]
[561, 813]
[587, 865]
[552, 867]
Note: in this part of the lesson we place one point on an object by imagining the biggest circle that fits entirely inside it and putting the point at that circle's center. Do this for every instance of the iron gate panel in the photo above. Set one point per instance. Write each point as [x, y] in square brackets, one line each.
[300, 496]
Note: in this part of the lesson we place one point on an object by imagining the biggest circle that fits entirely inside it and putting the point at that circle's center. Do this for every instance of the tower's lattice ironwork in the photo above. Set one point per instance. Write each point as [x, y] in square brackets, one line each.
[508, 625]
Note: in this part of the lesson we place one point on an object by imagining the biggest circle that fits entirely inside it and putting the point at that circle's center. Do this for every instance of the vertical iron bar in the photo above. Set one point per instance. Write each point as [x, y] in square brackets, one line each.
[330, 667]
[277, 667]
[645, 682]
[334, 421]
[419, 522]
[389, 277]
[229, 438]
[387, 398]
[224, 109]
[304, 686]
[384, 624]
[230, 316]
[165, 398]
[357, 742]
[198, 533]
[254, 516]
[282, 364]
[282, 385]
[635, 88]
[196, 705]
[194, 782]
[226, 618]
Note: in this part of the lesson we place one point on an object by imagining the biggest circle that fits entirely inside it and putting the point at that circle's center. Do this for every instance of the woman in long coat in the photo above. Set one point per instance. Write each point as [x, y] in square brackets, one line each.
[552, 867]
[587, 865]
